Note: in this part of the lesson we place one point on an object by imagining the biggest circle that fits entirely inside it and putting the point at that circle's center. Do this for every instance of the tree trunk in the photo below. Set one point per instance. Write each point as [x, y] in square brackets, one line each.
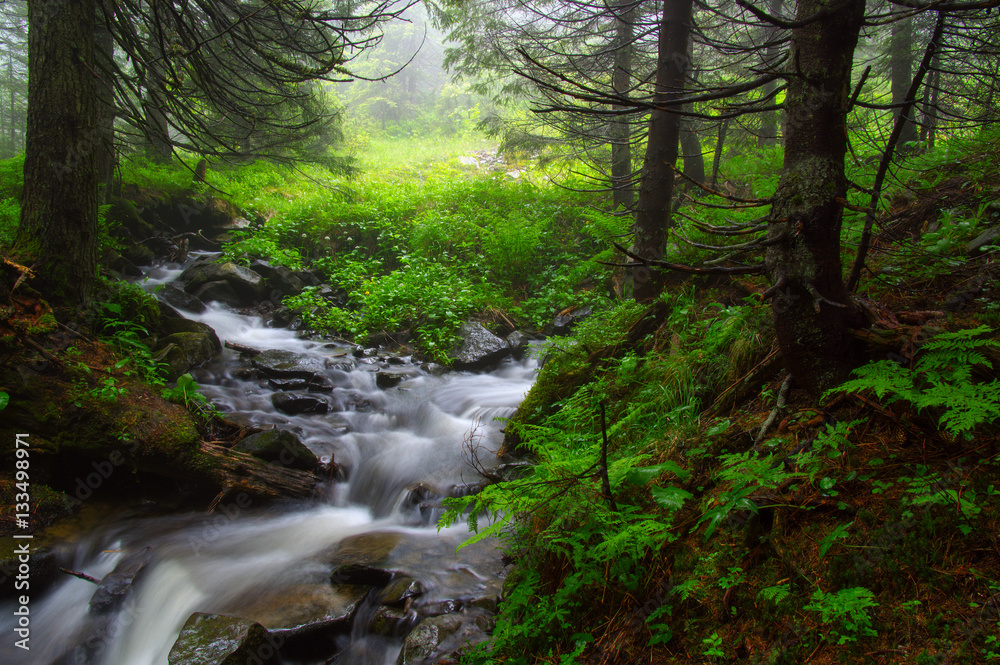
[811, 306]
[58, 229]
[104, 142]
[694, 157]
[657, 184]
[623, 197]
[769, 119]
[901, 75]
[720, 144]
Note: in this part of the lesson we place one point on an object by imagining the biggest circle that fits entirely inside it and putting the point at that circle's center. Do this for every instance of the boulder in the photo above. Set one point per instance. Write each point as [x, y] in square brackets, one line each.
[425, 640]
[277, 364]
[245, 283]
[361, 573]
[386, 380]
[392, 621]
[279, 447]
[215, 639]
[399, 590]
[175, 297]
[183, 350]
[222, 292]
[518, 343]
[293, 403]
[568, 318]
[169, 326]
[479, 348]
[308, 611]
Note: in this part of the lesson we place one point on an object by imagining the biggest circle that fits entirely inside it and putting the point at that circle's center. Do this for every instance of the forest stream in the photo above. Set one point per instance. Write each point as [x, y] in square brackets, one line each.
[401, 449]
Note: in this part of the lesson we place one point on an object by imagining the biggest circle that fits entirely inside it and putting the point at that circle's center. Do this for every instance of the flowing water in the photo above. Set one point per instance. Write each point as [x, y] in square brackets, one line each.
[272, 563]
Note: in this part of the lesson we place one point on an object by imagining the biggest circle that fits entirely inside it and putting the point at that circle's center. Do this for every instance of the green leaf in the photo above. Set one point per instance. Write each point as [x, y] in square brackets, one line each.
[644, 474]
[670, 497]
[4, 400]
[827, 543]
[827, 483]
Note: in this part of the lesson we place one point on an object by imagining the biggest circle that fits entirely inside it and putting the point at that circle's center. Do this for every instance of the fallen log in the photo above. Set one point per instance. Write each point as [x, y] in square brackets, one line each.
[243, 472]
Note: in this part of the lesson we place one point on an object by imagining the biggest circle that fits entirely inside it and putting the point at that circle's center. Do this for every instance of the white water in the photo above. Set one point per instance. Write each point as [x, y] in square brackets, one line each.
[236, 557]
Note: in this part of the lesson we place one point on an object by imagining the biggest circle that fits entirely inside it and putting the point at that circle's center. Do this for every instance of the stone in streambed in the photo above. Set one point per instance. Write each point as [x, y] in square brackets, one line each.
[216, 639]
[279, 447]
[399, 590]
[479, 348]
[302, 613]
[294, 403]
[278, 364]
[425, 640]
[244, 283]
[183, 350]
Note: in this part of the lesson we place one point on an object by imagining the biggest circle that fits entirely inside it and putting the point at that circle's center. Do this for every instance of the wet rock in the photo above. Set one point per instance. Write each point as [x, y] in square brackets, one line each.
[293, 403]
[279, 280]
[169, 326]
[361, 573]
[117, 585]
[358, 402]
[308, 277]
[425, 640]
[288, 384]
[517, 341]
[392, 622]
[479, 348]
[215, 639]
[486, 623]
[175, 297]
[277, 364]
[183, 350]
[320, 384]
[567, 319]
[370, 549]
[386, 380]
[247, 284]
[487, 603]
[220, 291]
[279, 447]
[301, 614]
[399, 590]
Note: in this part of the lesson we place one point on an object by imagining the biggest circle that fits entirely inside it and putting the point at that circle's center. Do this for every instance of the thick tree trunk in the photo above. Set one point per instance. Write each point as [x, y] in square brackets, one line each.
[657, 184]
[811, 306]
[901, 75]
[104, 142]
[58, 229]
[623, 196]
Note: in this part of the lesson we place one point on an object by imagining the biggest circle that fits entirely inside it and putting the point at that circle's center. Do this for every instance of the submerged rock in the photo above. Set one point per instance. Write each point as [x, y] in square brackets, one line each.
[216, 639]
[479, 348]
[117, 585]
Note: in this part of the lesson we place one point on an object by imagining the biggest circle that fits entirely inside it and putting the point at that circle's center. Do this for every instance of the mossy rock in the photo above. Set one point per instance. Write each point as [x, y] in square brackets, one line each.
[279, 447]
[216, 639]
[181, 351]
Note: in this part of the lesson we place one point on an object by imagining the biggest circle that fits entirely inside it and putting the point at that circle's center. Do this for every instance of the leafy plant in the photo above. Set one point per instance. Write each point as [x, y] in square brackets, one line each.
[940, 380]
[846, 611]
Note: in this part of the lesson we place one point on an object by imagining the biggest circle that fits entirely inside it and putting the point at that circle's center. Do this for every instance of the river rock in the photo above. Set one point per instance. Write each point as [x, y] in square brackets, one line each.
[169, 326]
[399, 590]
[293, 403]
[386, 380]
[308, 611]
[117, 585]
[245, 283]
[220, 291]
[216, 639]
[567, 319]
[425, 640]
[279, 447]
[479, 348]
[278, 364]
[392, 621]
[517, 341]
[175, 297]
[360, 573]
[183, 350]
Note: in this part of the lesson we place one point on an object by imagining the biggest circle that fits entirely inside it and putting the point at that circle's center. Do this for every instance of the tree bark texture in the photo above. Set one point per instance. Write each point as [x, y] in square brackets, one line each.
[58, 228]
[656, 187]
[621, 80]
[811, 306]
[901, 75]
[104, 46]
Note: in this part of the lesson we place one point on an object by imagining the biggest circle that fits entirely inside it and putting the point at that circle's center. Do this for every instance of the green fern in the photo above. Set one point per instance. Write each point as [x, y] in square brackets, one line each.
[941, 379]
